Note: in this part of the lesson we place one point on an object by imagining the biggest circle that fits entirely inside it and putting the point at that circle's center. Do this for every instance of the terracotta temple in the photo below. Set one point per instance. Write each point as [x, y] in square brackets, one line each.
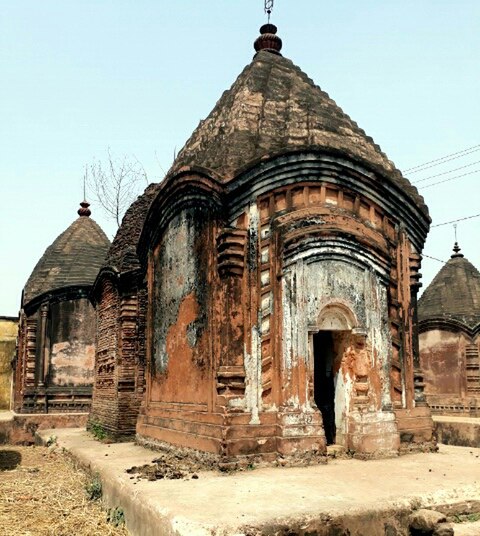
[280, 258]
[56, 338]
[120, 297]
[449, 326]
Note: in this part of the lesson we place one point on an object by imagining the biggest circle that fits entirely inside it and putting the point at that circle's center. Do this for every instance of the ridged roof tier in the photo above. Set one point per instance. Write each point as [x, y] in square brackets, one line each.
[73, 260]
[122, 254]
[454, 293]
[272, 108]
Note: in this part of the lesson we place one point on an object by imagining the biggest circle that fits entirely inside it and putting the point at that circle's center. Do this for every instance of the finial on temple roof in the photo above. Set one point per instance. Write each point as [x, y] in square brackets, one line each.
[456, 247]
[84, 210]
[268, 6]
[268, 40]
[456, 251]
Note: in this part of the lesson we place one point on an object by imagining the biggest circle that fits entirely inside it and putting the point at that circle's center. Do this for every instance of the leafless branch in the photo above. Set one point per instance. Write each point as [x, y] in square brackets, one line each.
[115, 183]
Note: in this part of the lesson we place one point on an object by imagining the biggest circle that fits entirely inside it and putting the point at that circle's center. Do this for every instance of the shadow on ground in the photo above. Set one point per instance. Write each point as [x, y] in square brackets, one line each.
[9, 459]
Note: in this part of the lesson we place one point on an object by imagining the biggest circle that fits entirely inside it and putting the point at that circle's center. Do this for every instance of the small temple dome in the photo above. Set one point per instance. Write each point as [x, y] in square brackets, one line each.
[454, 293]
[72, 260]
[272, 108]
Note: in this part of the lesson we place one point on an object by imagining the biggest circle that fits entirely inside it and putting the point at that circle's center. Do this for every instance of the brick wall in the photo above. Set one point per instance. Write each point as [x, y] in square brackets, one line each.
[120, 358]
[104, 404]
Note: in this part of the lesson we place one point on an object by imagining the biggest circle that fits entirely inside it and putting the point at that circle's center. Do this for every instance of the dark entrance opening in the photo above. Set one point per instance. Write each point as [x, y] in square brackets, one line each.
[323, 381]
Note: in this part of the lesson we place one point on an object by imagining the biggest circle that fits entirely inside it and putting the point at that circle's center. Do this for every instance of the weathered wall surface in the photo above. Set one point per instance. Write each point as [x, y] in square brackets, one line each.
[72, 342]
[450, 358]
[180, 355]
[315, 294]
[309, 289]
[442, 355]
[8, 337]
[457, 431]
[233, 313]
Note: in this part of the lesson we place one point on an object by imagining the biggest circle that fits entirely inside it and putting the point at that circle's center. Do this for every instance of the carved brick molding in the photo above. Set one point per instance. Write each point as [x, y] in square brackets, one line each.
[231, 252]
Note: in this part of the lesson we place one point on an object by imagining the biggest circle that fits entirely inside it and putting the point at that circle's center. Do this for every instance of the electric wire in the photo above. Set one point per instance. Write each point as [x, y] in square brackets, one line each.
[443, 159]
[450, 179]
[434, 258]
[453, 221]
[446, 172]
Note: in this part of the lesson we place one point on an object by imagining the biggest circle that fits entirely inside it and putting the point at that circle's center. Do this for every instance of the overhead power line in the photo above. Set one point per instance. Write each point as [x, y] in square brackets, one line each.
[453, 221]
[442, 160]
[450, 179]
[446, 172]
[434, 258]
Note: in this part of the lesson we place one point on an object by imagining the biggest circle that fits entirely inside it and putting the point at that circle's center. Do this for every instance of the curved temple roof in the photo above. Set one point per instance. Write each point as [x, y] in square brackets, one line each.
[73, 259]
[122, 254]
[454, 293]
[274, 107]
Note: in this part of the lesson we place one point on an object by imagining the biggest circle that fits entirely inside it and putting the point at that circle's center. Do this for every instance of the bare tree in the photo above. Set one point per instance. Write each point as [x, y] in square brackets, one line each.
[115, 183]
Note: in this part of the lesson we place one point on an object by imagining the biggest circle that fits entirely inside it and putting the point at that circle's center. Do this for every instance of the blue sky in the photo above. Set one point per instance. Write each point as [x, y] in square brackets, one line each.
[78, 77]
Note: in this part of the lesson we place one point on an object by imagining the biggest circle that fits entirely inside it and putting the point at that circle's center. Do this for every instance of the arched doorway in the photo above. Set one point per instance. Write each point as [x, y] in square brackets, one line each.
[332, 383]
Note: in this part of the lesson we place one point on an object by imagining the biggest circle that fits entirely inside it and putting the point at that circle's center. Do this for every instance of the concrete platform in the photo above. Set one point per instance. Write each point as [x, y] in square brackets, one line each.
[459, 431]
[364, 498]
[20, 428]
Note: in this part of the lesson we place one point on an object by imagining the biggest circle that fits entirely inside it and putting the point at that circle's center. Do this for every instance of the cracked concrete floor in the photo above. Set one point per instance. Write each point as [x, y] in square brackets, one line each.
[216, 503]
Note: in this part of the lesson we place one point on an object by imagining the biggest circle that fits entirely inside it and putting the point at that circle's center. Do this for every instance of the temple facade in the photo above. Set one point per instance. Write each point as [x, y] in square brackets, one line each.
[56, 337]
[120, 299]
[449, 325]
[282, 256]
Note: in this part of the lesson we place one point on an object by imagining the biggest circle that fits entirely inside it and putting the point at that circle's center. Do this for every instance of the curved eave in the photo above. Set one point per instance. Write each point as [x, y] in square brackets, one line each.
[106, 272]
[395, 178]
[58, 294]
[190, 187]
[270, 172]
[448, 324]
[319, 164]
[121, 279]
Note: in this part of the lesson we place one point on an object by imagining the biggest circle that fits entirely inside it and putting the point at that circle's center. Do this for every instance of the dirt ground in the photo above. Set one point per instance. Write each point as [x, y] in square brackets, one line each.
[42, 493]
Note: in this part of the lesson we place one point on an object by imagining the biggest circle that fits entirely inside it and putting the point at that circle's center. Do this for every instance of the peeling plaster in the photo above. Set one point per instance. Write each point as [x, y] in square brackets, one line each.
[177, 274]
[321, 284]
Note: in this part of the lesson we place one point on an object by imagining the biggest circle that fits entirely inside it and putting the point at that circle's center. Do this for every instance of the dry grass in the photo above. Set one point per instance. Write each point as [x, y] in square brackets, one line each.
[44, 494]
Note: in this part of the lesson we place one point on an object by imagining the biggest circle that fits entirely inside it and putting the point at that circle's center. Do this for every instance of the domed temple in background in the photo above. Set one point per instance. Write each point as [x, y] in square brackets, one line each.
[281, 256]
[449, 326]
[56, 339]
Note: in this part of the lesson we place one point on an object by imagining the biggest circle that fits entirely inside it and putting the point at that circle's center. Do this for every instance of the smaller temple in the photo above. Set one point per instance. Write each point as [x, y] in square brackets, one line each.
[449, 326]
[56, 337]
[120, 299]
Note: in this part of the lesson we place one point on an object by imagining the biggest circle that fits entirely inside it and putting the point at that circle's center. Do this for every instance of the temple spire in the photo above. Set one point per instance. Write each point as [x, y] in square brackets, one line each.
[84, 210]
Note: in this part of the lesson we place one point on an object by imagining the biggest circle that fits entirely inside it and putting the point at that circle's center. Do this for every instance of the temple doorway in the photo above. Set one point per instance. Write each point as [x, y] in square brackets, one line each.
[329, 390]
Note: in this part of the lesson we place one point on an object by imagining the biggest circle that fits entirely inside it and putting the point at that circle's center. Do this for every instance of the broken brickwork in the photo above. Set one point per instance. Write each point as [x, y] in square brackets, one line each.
[282, 257]
[449, 315]
[56, 337]
[119, 295]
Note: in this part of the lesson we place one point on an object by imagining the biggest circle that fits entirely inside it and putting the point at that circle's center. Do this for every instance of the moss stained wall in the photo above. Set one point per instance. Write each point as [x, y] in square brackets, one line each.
[72, 342]
[8, 337]
[180, 314]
